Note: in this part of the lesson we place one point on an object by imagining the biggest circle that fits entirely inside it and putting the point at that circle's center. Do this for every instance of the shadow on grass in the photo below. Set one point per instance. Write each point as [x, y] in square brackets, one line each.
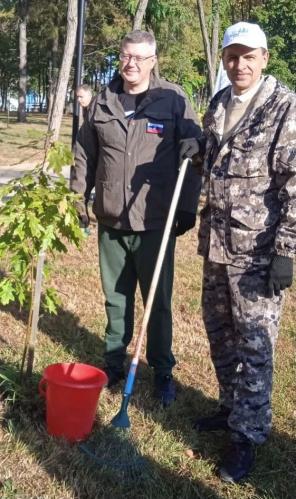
[274, 475]
[20, 145]
[89, 475]
[34, 119]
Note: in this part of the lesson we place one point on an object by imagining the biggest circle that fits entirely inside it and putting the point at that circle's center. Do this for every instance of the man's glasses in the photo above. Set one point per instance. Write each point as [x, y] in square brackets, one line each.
[136, 58]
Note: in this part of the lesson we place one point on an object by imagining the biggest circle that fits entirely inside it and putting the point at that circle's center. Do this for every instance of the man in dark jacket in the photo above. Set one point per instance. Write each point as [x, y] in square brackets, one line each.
[130, 147]
[248, 238]
[84, 96]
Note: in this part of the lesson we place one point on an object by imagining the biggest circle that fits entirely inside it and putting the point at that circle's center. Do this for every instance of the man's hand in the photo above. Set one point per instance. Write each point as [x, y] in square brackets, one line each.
[280, 274]
[188, 148]
[82, 214]
[184, 221]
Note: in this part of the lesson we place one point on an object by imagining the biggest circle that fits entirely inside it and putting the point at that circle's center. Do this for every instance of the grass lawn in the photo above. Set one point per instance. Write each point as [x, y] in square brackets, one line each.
[34, 465]
[23, 142]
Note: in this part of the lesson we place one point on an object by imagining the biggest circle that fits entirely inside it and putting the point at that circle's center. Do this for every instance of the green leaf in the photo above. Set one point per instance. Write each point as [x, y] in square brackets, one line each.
[58, 156]
[63, 205]
[7, 292]
[51, 301]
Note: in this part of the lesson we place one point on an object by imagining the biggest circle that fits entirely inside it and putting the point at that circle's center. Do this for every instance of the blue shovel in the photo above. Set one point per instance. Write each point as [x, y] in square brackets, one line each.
[121, 420]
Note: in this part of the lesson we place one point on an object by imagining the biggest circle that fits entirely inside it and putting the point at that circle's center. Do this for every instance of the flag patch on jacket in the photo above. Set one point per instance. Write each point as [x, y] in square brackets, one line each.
[154, 128]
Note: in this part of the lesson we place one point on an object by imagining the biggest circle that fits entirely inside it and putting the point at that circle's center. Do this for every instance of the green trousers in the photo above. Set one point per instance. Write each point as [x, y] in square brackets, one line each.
[127, 258]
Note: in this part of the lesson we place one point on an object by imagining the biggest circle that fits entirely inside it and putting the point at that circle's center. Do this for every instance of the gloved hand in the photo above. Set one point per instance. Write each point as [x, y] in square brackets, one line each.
[82, 214]
[188, 148]
[184, 221]
[280, 274]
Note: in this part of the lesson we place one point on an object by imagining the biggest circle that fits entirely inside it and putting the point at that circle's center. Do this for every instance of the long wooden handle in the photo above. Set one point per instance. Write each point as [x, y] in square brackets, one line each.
[160, 258]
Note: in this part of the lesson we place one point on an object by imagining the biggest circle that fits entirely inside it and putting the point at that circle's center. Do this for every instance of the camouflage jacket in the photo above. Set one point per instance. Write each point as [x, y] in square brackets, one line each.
[250, 181]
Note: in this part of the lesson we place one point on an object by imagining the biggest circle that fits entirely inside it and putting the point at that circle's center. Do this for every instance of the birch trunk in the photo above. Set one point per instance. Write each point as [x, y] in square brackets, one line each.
[207, 46]
[215, 36]
[23, 5]
[140, 13]
[64, 74]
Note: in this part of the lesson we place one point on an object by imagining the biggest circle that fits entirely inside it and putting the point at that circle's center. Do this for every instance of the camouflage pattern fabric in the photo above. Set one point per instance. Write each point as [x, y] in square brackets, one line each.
[250, 181]
[242, 327]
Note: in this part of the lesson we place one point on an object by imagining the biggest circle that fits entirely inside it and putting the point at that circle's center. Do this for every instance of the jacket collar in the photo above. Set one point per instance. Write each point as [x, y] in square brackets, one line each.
[214, 119]
[109, 96]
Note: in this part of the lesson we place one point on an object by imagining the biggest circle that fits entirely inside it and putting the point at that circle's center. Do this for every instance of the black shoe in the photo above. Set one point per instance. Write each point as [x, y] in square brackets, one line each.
[114, 375]
[213, 423]
[237, 462]
[164, 389]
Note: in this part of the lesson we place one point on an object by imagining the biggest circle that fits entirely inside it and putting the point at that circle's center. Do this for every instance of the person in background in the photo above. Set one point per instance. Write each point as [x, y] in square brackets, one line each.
[247, 236]
[136, 133]
[84, 96]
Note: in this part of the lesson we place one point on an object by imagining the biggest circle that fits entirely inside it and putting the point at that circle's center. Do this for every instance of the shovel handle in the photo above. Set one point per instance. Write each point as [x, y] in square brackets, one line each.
[41, 387]
[160, 258]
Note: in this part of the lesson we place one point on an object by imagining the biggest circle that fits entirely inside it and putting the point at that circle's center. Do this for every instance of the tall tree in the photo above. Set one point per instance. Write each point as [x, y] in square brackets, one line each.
[279, 23]
[140, 13]
[23, 11]
[52, 74]
[46, 43]
[64, 74]
[215, 34]
[210, 45]
[9, 71]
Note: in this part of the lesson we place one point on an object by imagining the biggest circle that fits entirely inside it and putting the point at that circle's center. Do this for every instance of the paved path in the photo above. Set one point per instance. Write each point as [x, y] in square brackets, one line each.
[9, 172]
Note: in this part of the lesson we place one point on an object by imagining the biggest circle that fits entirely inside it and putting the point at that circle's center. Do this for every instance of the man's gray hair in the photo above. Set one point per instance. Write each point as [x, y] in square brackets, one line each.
[85, 87]
[139, 36]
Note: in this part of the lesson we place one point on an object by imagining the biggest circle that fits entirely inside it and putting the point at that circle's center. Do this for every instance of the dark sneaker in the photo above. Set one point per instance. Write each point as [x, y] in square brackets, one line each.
[114, 375]
[213, 423]
[164, 389]
[237, 462]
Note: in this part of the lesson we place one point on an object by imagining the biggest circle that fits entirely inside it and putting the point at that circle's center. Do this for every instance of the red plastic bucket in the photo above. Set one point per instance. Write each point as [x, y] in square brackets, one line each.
[71, 391]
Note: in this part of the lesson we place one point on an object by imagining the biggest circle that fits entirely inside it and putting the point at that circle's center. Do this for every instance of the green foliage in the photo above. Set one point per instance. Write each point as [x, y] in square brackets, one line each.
[176, 29]
[38, 214]
[174, 23]
[58, 156]
[8, 49]
[277, 18]
[131, 6]
[279, 23]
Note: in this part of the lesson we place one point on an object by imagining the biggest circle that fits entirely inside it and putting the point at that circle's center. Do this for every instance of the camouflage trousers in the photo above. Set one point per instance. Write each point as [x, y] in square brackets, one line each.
[242, 326]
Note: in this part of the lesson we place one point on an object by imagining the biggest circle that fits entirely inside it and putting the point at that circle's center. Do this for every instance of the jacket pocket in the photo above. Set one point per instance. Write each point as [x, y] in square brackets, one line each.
[154, 198]
[250, 231]
[248, 161]
[159, 124]
[108, 201]
[107, 128]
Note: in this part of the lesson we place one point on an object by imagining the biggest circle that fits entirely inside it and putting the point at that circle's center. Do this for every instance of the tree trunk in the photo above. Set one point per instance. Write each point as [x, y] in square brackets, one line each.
[207, 46]
[140, 13]
[23, 6]
[52, 75]
[62, 84]
[156, 66]
[215, 36]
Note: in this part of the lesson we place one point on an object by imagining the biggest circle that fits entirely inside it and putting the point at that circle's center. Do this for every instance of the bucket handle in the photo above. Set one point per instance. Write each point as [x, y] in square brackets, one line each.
[41, 387]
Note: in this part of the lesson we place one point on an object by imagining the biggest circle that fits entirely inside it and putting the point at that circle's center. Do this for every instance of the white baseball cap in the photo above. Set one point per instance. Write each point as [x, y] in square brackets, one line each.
[248, 34]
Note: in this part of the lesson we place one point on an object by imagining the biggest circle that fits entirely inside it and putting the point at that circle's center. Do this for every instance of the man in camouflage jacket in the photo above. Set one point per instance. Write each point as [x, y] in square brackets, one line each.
[248, 238]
